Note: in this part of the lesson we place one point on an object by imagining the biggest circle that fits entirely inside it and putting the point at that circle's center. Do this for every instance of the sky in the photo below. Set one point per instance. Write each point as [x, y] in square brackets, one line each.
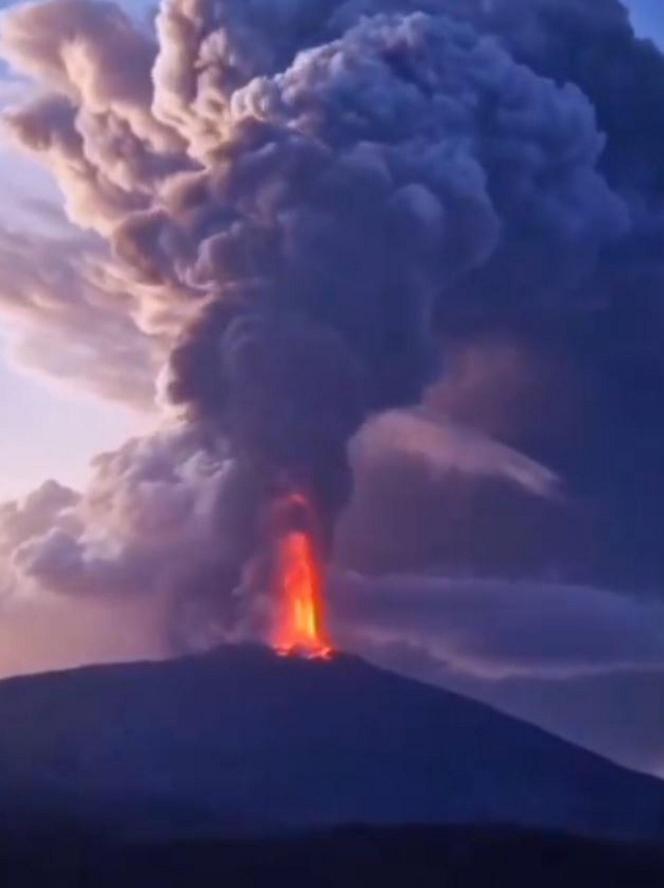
[648, 18]
[518, 504]
[51, 429]
[52, 432]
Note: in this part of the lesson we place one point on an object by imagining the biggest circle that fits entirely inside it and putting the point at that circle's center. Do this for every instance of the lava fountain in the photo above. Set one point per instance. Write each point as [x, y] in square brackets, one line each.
[299, 579]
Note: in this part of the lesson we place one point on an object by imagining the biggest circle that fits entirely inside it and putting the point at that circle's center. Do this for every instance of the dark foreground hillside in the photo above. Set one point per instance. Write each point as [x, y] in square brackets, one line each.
[243, 743]
[350, 858]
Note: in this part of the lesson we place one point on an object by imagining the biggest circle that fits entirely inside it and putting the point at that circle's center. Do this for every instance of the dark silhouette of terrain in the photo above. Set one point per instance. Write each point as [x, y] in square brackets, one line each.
[463, 857]
[243, 743]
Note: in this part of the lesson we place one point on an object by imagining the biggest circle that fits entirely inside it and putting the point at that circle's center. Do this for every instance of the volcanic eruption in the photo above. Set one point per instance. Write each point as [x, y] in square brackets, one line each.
[295, 197]
[299, 626]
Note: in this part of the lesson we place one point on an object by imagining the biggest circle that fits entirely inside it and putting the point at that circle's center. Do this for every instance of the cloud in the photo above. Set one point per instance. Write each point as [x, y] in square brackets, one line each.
[145, 524]
[59, 289]
[309, 190]
[446, 448]
[431, 494]
[494, 629]
[622, 75]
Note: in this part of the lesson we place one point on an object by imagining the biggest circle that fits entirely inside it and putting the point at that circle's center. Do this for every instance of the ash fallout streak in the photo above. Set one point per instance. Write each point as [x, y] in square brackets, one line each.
[301, 199]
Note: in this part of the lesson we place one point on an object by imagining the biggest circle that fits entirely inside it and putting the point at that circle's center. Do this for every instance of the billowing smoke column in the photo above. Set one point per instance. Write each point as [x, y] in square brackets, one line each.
[296, 193]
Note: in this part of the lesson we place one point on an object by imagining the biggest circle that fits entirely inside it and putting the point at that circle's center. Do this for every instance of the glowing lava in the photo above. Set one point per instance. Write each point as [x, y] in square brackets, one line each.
[299, 578]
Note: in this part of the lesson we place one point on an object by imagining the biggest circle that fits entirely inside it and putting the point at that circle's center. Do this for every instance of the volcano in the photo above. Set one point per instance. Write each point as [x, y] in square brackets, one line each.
[242, 741]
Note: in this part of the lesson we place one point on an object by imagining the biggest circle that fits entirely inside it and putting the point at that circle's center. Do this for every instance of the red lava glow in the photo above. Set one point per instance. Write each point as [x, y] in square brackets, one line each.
[299, 627]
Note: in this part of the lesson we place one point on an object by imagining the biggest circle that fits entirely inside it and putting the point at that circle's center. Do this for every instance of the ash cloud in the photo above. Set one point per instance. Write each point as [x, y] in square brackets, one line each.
[147, 522]
[307, 205]
[441, 496]
[494, 629]
[67, 316]
[163, 531]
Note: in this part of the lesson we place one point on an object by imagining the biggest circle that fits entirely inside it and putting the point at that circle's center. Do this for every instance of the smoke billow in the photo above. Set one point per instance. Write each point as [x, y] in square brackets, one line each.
[299, 197]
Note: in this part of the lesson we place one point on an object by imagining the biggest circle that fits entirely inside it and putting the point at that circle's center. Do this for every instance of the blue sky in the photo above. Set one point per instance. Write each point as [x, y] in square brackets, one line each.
[648, 18]
[49, 431]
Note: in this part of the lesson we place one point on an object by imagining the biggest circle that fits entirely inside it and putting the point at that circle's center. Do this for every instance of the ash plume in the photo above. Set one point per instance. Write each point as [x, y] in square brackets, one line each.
[302, 199]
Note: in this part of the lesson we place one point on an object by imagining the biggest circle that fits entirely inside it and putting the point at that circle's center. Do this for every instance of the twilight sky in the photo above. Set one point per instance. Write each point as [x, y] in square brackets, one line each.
[518, 504]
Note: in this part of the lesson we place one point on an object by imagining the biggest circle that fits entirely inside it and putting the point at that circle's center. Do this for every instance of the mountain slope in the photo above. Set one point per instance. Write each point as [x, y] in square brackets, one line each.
[241, 740]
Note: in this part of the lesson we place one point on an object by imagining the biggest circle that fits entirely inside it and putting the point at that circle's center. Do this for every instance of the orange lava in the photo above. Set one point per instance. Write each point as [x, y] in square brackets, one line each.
[299, 625]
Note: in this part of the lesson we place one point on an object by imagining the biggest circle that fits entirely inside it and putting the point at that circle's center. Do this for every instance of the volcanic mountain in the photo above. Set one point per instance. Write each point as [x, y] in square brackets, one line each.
[241, 741]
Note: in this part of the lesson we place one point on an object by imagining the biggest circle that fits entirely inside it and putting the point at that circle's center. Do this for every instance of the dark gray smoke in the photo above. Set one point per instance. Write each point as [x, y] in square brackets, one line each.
[342, 191]
[304, 200]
